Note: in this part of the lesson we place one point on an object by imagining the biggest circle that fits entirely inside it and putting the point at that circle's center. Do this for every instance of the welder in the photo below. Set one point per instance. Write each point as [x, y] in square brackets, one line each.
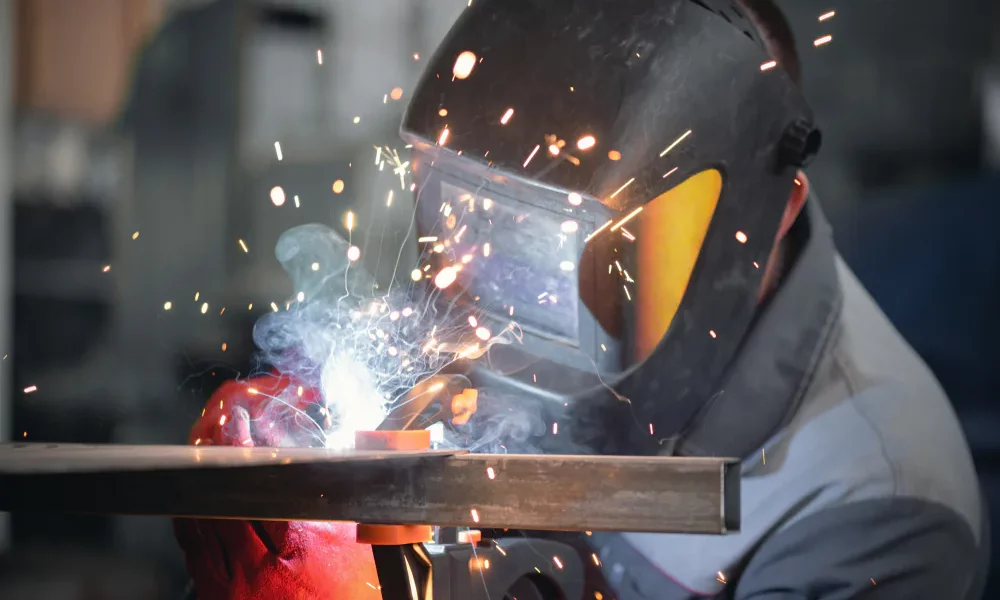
[620, 184]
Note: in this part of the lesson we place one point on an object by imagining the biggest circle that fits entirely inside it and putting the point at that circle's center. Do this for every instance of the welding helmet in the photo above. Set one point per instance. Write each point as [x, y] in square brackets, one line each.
[598, 185]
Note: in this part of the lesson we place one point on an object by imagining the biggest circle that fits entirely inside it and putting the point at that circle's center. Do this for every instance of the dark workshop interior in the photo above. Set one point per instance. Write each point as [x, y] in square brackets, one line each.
[137, 161]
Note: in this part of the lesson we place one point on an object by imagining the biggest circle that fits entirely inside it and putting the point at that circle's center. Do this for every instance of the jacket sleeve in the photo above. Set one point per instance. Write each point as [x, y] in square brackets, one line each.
[884, 549]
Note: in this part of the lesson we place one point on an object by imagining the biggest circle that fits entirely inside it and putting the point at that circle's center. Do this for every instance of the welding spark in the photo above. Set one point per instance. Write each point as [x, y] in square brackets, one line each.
[614, 155]
[353, 253]
[741, 237]
[555, 429]
[427, 239]
[274, 307]
[319, 56]
[464, 64]
[558, 562]
[30, 389]
[586, 142]
[277, 195]
[769, 65]
[338, 186]
[349, 220]
[396, 93]
[553, 150]
[491, 473]
[674, 145]
[627, 218]
[168, 305]
[204, 308]
[619, 190]
[135, 235]
[243, 245]
[475, 515]
[277, 149]
[415, 274]
[388, 201]
[507, 116]
[444, 137]
[628, 235]
[826, 39]
[598, 230]
[445, 277]
[712, 333]
[297, 202]
[530, 156]
[828, 15]
[569, 226]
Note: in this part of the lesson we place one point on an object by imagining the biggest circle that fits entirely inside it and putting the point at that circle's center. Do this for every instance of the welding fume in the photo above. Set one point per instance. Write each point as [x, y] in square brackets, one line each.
[620, 254]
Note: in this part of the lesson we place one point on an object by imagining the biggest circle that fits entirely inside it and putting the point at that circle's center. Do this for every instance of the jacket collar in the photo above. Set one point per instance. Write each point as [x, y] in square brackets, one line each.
[773, 370]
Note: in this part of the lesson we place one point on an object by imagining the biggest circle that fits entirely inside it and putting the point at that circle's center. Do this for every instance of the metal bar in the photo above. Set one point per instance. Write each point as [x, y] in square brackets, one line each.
[573, 493]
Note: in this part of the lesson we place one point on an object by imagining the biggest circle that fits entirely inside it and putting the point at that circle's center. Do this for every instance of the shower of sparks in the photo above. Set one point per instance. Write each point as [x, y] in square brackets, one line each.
[828, 15]
[30, 389]
[168, 305]
[622, 188]
[464, 64]
[319, 57]
[445, 277]
[769, 65]
[826, 39]
[244, 246]
[674, 144]
[507, 116]
[277, 150]
[598, 230]
[531, 156]
[741, 237]
[586, 142]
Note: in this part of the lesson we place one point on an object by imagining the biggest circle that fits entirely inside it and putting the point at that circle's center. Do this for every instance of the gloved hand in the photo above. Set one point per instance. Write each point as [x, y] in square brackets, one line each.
[270, 560]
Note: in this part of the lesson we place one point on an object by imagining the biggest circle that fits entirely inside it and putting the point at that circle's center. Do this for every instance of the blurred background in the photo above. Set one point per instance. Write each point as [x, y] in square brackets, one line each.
[151, 152]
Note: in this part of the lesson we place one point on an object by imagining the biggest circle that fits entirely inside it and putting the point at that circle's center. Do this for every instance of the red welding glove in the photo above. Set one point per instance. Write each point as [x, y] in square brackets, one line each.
[269, 560]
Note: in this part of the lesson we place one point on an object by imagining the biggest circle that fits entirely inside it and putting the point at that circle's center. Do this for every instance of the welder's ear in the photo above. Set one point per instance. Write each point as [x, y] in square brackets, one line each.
[796, 200]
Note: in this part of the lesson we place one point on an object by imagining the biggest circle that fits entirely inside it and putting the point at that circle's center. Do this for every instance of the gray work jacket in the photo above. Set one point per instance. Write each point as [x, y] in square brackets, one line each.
[857, 480]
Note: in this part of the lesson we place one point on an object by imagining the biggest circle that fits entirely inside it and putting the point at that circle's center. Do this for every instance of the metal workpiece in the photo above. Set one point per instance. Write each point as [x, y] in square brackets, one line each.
[439, 487]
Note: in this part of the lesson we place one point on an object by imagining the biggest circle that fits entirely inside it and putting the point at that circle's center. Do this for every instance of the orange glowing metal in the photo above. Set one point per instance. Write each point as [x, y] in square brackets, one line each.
[463, 406]
[464, 64]
[507, 116]
[586, 142]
